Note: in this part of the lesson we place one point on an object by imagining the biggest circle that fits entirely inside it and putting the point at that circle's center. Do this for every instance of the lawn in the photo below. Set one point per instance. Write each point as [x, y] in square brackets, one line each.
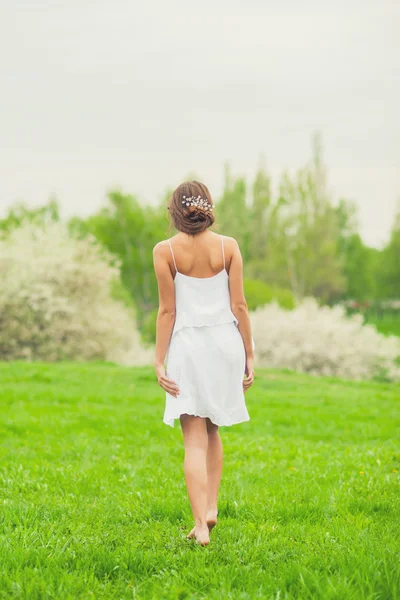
[93, 502]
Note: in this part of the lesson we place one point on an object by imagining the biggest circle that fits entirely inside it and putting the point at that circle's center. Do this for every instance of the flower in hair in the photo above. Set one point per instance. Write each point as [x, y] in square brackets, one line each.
[197, 201]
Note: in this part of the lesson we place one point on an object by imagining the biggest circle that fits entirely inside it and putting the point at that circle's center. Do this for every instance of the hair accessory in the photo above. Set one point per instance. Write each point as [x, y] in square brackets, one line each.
[197, 201]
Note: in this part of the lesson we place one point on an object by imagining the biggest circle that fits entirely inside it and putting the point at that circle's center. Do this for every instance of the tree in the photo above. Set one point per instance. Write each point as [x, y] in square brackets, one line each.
[389, 271]
[359, 260]
[56, 302]
[259, 216]
[307, 232]
[19, 214]
[232, 211]
[130, 230]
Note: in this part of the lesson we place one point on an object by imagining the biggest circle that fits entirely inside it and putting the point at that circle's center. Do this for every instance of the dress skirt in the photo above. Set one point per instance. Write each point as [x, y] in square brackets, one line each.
[208, 364]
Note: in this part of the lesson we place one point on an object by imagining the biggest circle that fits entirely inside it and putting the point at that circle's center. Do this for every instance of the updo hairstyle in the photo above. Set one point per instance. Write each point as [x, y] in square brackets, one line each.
[191, 207]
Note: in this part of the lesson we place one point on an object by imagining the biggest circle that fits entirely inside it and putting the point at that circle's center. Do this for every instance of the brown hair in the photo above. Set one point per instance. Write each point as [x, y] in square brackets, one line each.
[190, 219]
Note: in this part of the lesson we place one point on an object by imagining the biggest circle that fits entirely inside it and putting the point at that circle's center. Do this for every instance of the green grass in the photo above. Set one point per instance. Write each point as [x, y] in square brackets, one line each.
[93, 501]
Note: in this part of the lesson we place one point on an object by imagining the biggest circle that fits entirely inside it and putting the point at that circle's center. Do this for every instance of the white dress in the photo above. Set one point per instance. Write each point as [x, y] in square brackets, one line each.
[206, 355]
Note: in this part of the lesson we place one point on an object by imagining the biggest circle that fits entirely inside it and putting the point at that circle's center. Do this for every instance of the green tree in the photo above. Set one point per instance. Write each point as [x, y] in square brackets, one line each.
[307, 232]
[130, 230]
[259, 216]
[20, 214]
[259, 293]
[389, 267]
[359, 261]
[233, 213]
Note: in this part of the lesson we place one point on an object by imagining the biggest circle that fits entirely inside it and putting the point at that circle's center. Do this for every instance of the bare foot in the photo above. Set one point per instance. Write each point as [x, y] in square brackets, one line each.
[211, 523]
[212, 519]
[202, 535]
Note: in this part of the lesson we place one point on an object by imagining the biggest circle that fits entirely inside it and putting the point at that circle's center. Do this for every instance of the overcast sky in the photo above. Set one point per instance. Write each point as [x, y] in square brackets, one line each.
[95, 94]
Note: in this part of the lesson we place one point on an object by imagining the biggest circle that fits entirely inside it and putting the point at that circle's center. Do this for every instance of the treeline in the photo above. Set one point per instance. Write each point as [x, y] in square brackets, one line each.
[301, 240]
[295, 243]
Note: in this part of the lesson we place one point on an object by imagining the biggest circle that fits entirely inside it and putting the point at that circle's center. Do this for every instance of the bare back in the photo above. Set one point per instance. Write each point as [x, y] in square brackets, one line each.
[201, 255]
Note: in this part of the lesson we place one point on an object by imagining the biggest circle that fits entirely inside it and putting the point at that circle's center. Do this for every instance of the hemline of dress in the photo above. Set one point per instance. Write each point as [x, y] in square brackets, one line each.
[171, 420]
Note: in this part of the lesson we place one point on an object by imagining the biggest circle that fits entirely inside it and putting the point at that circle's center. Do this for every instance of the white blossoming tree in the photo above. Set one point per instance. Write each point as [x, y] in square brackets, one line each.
[55, 300]
[323, 341]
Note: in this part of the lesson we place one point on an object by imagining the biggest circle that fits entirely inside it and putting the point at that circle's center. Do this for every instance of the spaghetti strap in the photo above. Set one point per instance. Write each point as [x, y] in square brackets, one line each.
[223, 251]
[173, 257]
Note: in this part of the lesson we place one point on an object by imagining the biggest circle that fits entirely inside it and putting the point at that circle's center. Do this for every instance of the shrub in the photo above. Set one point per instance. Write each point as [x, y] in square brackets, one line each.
[259, 293]
[56, 300]
[323, 341]
[387, 324]
[148, 329]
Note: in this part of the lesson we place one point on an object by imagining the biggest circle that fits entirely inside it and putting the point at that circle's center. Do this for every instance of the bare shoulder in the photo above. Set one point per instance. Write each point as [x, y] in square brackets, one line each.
[161, 248]
[230, 243]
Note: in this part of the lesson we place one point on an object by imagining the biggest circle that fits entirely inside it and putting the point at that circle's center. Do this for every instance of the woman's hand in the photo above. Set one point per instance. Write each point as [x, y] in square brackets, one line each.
[249, 372]
[167, 384]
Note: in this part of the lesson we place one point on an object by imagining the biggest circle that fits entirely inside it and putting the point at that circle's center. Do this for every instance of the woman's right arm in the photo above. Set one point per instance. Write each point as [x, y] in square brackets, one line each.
[240, 309]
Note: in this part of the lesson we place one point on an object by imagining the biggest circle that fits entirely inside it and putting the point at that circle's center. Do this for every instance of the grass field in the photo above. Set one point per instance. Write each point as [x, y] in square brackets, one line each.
[93, 502]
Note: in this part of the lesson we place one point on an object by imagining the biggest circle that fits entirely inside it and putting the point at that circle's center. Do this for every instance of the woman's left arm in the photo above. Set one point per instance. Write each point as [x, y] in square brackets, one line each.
[165, 316]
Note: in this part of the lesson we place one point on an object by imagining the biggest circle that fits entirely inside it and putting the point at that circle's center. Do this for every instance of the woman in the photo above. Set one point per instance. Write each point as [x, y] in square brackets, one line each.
[204, 336]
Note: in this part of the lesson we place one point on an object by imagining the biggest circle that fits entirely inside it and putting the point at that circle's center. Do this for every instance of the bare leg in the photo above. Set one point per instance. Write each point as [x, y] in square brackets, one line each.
[195, 466]
[214, 472]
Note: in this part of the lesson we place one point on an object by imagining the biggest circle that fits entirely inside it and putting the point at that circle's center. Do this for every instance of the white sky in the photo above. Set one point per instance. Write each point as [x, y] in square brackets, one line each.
[95, 94]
